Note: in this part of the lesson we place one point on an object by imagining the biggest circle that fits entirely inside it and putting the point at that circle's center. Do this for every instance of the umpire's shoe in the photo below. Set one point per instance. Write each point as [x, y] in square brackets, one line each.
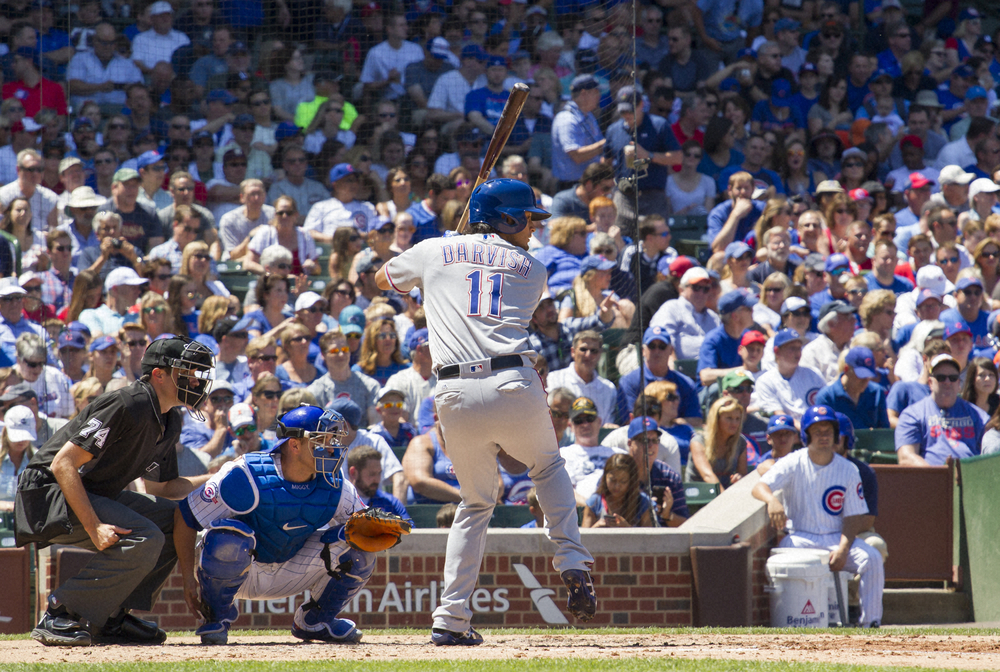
[124, 628]
[442, 637]
[59, 627]
[582, 601]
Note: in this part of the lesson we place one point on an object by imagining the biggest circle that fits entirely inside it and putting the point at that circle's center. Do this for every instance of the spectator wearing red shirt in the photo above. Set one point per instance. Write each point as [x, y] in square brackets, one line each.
[694, 115]
[33, 90]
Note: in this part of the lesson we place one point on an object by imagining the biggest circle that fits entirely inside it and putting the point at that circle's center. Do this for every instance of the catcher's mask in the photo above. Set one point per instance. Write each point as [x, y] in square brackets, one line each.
[323, 429]
[192, 363]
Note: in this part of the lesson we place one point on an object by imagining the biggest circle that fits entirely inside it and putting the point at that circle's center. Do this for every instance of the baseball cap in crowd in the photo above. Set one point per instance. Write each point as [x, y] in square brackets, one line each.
[642, 425]
[149, 158]
[736, 249]
[963, 71]
[734, 379]
[729, 84]
[862, 362]
[982, 185]
[367, 261]
[956, 325]
[975, 92]
[472, 134]
[307, 300]
[582, 406]
[583, 83]
[781, 93]
[737, 298]
[474, 51]
[102, 343]
[339, 171]
[19, 392]
[786, 336]
[71, 339]
[681, 265]
[695, 275]
[873, 187]
[927, 98]
[221, 96]
[386, 392]
[663, 266]
[808, 67]
[814, 262]
[968, 281]
[123, 275]
[19, 422]
[416, 339]
[221, 386]
[202, 138]
[231, 154]
[932, 277]
[944, 357]
[829, 186]
[67, 163]
[79, 327]
[655, 334]
[837, 261]
[11, 287]
[752, 336]
[969, 13]
[786, 23]
[593, 262]
[746, 54]
[286, 129]
[352, 320]
[854, 151]
[535, 9]
[781, 423]
[161, 7]
[793, 303]
[439, 48]
[955, 175]
[238, 47]
[379, 224]
[859, 194]
[836, 306]
[913, 140]
[496, 60]
[225, 326]
[881, 73]
[926, 295]
[244, 121]
[347, 408]
[121, 175]
[241, 415]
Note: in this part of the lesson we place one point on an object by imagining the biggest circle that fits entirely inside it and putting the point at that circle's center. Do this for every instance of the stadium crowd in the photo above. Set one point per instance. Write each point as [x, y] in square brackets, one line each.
[839, 160]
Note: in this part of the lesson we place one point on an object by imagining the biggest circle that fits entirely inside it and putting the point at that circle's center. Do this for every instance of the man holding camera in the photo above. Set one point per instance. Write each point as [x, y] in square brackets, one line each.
[113, 251]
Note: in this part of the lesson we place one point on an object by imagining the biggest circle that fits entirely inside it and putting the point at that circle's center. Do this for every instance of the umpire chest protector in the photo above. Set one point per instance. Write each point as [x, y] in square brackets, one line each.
[282, 514]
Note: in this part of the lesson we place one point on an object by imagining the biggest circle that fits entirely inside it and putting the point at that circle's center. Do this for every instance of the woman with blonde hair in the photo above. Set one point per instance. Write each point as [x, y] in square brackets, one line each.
[15, 446]
[767, 312]
[590, 290]
[196, 263]
[296, 370]
[265, 398]
[564, 253]
[736, 263]
[958, 48]
[380, 353]
[84, 392]
[347, 242]
[213, 309]
[840, 212]
[619, 500]
[777, 212]
[450, 214]
[87, 291]
[156, 315]
[718, 453]
[877, 311]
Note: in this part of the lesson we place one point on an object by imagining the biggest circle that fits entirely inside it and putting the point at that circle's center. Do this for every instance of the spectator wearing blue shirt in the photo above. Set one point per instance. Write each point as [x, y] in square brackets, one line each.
[855, 394]
[969, 299]
[598, 179]
[808, 93]
[835, 267]
[656, 353]
[777, 112]
[900, 40]
[483, 106]
[951, 95]
[859, 71]
[755, 151]
[577, 140]
[564, 254]
[427, 213]
[211, 436]
[719, 352]
[883, 270]
[733, 219]
[941, 425]
[364, 468]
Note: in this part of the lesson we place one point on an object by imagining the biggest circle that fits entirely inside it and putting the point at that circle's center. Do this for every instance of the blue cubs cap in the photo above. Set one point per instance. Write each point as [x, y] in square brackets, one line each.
[956, 326]
[880, 73]
[968, 282]
[221, 96]
[975, 92]
[737, 298]
[835, 261]
[347, 408]
[736, 249]
[746, 52]
[729, 84]
[286, 129]
[238, 47]
[474, 51]
[593, 262]
[781, 93]
[149, 158]
[352, 320]
[786, 24]
[655, 334]
[781, 422]
[862, 361]
[76, 325]
[471, 135]
[417, 338]
[102, 343]
[71, 339]
[926, 295]
[244, 120]
[786, 336]
[583, 83]
[496, 60]
[439, 48]
[641, 426]
[964, 71]
[340, 170]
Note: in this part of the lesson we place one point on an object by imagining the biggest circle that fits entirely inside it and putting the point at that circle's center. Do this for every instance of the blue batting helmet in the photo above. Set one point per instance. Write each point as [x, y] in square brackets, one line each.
[502, 204]
[323, 429]
[816, 414]
[846, 429]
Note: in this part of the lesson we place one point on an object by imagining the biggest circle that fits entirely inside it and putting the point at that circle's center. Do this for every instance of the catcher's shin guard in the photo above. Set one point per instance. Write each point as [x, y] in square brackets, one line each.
[226, 554]
[317, 619]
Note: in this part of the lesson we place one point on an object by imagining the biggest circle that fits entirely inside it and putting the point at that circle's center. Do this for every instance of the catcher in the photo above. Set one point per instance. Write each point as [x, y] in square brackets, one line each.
[279, 522]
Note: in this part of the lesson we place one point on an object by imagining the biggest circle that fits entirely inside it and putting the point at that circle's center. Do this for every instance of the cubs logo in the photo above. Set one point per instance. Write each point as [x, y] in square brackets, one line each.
[811, 398]
[361, 221]
[861, 492]
[833, 499]
[209, 493]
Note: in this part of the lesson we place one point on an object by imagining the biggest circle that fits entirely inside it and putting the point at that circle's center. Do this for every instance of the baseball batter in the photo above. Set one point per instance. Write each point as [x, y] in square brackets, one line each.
[826, 502]
[479, 293]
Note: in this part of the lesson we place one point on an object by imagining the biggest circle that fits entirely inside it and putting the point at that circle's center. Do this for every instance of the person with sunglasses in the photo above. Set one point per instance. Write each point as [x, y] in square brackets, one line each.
[391, 408]
[133, 340]
[246, 433]
[49, 383]
[186, 226]
[261, 359]
[211, 436]
[237, 227]
[342, 210]
[942, 425]
[340, 378]
[418, 380]
[969, 298]
[657, 349]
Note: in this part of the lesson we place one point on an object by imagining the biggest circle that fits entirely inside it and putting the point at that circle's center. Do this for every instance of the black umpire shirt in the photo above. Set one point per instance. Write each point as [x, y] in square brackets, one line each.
[128, 437]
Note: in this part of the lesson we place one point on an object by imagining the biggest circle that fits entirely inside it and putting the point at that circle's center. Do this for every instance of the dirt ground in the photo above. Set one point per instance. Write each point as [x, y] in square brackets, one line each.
[939, 651]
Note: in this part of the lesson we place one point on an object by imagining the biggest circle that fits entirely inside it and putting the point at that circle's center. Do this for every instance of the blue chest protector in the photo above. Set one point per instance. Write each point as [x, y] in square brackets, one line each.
[286, 513]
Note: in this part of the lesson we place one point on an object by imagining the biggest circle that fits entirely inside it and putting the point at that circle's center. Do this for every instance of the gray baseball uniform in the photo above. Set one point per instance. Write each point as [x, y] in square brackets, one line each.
[479, 293]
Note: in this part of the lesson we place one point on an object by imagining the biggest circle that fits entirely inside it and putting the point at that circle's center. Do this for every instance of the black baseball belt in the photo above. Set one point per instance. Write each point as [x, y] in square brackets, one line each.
[496, 364]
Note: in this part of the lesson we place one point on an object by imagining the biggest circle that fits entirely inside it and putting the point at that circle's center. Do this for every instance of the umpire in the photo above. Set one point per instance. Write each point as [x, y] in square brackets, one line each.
[75, 491]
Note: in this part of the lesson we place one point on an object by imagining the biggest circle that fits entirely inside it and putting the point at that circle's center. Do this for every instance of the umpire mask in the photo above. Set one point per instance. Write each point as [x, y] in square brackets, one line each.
[192, 363]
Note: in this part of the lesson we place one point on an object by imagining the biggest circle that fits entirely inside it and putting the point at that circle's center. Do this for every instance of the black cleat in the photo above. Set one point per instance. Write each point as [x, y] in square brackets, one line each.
[582, 601]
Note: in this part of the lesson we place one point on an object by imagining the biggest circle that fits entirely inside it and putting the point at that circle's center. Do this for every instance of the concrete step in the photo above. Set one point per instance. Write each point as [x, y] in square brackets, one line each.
[923, 606]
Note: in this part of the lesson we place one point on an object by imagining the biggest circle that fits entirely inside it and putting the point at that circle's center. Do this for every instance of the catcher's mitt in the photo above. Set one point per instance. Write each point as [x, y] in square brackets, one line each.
[374, 530]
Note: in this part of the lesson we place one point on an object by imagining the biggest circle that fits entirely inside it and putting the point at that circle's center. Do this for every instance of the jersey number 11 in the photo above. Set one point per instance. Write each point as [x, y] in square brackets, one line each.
[495, 281]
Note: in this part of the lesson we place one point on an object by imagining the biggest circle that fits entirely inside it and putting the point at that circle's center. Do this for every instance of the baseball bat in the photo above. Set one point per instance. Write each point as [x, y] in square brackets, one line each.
[511, 111]
[840, 600]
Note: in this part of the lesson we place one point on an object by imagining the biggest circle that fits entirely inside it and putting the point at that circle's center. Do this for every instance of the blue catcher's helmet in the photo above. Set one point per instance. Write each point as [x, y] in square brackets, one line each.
[495, 198]
[846, 429]
[816, 414]
[323, 429]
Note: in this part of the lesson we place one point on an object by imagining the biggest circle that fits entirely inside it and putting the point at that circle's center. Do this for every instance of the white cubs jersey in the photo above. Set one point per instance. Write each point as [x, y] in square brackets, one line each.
[777, 394]
[817, 498]
[479, 294]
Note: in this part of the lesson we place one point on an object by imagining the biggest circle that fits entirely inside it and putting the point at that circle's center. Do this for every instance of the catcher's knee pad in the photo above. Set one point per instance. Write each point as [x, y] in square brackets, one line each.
[226, 554]
[355, 568]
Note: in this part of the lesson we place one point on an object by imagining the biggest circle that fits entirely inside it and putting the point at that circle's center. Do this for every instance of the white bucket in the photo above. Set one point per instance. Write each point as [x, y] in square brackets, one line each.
[800, 582]
[832, 606]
